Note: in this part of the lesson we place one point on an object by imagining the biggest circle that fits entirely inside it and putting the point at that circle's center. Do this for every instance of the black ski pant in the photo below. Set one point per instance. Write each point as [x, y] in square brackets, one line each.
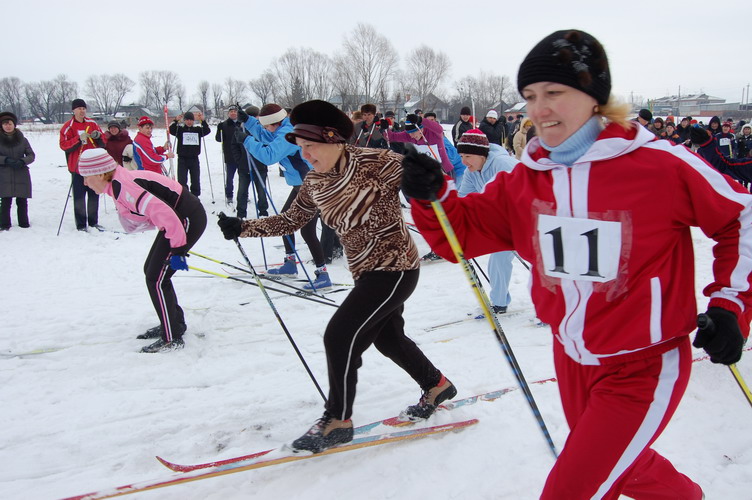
[308, 232]
[85, 203]
[159, 273]
[372, 314]
[190, 165]
[259, 172]
[330, 243]
[22, 210]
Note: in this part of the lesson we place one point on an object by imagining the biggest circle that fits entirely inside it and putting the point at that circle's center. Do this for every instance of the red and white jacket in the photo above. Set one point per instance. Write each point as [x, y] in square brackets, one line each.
[609, 239]
[147, 156]
[145, 200]
[70, 140]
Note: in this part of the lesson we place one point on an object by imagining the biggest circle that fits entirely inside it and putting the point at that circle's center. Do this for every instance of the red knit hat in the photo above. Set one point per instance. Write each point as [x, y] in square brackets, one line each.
[95, 161]
[145, 120]
[271, 113]
[473, 142]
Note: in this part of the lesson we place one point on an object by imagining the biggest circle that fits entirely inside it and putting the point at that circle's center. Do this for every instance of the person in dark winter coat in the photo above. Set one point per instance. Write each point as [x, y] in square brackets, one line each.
[744, 142]
[15, 180]
[189, 148]
[463, 125]
[671, 133]
[714, 125]
[116, 139]
[726, 141]
[368, 134]
[683, 131]
[494, 129]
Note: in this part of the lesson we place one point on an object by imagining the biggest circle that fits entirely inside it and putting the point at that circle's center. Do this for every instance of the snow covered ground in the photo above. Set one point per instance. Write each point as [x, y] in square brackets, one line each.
[92, 412]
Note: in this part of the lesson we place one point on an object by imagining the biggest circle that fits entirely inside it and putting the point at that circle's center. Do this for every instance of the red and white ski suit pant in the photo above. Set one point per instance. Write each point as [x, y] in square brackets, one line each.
[615, 412]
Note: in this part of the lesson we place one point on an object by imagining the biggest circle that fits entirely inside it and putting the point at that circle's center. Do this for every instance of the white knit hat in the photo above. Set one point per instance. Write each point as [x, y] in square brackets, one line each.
[492, 114]
[95, 161]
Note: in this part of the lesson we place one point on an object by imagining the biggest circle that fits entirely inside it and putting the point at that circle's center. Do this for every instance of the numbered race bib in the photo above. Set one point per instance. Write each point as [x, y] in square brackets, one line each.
[190, 139]
[724, 141]
[432, 151]
[579, 249]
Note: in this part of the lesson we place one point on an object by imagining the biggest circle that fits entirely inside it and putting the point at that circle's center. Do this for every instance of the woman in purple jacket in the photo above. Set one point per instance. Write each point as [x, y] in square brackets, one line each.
[146, 200]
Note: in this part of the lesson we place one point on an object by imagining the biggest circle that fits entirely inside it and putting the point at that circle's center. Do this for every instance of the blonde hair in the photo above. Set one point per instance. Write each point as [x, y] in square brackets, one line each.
[109, 175]
[526, 122]
[615, 111]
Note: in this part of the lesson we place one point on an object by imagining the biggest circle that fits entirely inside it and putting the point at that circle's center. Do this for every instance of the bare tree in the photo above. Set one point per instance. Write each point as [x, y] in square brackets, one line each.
[345, 84]
[41, 100]
[11, 95]
[108, 91]
[123, 86]
[302, 73]
[180, 96]
[486, 91]
[235, 90]
[217, 98]
[203, 94]
[426, 69]
[65, 92]
[159, 88]
[263, 87]
[371, 60]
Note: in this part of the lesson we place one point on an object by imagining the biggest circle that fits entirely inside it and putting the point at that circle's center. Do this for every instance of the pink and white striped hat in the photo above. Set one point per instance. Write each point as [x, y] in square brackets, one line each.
[95, 161]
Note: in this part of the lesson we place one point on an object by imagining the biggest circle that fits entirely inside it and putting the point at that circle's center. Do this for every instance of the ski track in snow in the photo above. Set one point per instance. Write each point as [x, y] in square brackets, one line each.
[94, 413]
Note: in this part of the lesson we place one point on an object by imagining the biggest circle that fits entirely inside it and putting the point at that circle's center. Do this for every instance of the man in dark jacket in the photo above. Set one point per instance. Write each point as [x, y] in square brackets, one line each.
[237, 159]
[463, 125]
[368, 134]
[494, 129]
[189, 148]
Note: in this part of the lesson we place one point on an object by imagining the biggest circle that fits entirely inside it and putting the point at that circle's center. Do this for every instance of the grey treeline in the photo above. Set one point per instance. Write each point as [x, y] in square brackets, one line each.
[366, 68]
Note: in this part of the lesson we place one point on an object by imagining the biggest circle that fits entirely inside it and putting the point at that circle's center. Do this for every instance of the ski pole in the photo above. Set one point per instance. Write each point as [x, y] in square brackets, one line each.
[303, 295]
[260, 275]
[481, 271]
[173, 174]
[255, 203]
[64, 208]
[485, 304]
[276, 313]
[208, 170]
[704, 321]
[525, 264]
[224, 165]
[287, 236]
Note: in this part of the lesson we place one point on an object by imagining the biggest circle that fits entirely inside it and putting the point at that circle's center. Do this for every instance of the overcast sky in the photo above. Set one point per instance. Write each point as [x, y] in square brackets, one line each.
[654, 47]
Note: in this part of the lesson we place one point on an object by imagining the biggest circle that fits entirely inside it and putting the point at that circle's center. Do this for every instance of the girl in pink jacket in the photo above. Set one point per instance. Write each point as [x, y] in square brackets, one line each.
[146, 200]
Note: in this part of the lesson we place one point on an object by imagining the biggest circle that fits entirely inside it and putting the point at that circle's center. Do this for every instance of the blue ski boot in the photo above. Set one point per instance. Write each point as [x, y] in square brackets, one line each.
[289, 268]
[322, 281]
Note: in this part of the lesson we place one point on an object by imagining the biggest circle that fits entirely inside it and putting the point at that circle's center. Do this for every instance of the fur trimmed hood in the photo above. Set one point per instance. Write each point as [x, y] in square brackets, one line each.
[11, 140]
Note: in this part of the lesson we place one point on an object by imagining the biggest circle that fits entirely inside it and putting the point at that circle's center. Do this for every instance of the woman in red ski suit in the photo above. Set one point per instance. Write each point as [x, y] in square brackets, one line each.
[604, 214]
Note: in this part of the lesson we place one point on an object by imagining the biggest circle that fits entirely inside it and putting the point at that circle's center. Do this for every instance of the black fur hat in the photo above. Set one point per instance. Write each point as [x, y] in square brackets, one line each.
[570, 57]
[319, 121]
[7, 115]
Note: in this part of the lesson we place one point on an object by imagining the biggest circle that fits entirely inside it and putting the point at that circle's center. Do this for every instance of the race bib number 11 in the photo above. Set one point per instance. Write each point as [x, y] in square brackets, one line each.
[579, 249]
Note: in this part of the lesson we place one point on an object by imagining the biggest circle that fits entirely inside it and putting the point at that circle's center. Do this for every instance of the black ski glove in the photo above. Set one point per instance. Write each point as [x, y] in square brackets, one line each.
[242, 115]
[719, 334]
[698, 135]
[422, 177]
[384, 124]
[230, 226]
[240, 135]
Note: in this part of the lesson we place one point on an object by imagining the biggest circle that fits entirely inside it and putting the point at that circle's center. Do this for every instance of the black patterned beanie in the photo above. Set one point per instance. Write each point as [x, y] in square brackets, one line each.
[569, 57]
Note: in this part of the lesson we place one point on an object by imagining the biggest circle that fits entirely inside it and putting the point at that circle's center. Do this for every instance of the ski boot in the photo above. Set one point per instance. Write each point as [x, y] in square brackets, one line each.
[430, 257]
[289, 268]
[164, 346]
[154, 332]
[325, 433]
[430, 400]
[322, 281]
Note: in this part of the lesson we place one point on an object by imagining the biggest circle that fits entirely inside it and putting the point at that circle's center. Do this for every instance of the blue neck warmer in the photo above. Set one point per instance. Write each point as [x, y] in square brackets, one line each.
[576, 144]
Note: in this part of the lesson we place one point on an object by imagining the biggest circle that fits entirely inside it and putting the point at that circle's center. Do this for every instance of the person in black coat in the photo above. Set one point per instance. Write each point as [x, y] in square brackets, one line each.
[15, 180]
[494, 129]
[463, 125]
[237, 159]
[189, 148]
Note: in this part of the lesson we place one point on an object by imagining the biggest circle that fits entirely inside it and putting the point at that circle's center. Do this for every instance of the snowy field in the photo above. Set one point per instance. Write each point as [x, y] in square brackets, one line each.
[82, 410]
